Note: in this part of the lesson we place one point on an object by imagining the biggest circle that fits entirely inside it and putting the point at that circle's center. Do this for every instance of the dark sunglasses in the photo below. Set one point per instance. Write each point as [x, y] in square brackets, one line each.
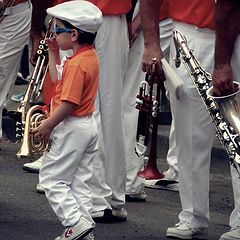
[59, 30]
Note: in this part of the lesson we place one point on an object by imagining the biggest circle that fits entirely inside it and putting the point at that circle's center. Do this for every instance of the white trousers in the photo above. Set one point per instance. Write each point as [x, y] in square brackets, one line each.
[133, 77]
[112, 47]
[194, 130]
[14, 30]
[68, 167]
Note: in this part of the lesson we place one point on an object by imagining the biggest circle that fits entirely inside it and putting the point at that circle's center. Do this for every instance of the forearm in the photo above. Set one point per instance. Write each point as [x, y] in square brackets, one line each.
[227, 30]
[149, 10]
[39, 14]
[64, 110]
[54, 59]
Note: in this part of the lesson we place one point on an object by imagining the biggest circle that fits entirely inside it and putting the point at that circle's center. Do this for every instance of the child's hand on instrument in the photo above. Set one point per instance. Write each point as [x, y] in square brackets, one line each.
[52, 44]
[43, 131]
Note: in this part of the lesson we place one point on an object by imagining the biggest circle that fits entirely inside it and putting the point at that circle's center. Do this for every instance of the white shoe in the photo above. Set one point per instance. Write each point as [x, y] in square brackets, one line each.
[232, 234]
[119, 212]
[164, 184]
[39, 188]
[110, 215]
[80, 230]
[138, 197]
[171, 174]
[33, 167]
[184, 230]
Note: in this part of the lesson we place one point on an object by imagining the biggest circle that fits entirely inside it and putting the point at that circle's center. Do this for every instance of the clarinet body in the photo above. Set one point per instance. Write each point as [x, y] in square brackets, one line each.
[227, 135]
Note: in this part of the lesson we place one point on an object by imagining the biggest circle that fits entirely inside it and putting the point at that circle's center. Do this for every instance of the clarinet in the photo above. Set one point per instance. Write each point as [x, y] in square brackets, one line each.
[226, 134]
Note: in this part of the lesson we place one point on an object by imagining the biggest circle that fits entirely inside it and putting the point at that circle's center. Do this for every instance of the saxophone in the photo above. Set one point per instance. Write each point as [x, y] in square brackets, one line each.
[226, 132]
[29, 117]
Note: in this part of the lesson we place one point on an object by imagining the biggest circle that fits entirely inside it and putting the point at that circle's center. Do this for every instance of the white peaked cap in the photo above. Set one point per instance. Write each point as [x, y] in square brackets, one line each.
[81, 14]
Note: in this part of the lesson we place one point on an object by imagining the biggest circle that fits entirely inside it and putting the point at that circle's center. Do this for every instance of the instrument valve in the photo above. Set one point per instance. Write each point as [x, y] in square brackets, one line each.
[231, 147]
[154, 114]
[139, 101]
[223, 125]
[226, 136]
[155, 103]
[39, 52]
[18, 136]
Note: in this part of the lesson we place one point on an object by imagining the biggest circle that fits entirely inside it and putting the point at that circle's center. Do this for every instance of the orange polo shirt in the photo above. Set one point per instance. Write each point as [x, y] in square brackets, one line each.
[79, 82]
[113, 7]
[196, 12]
[109, 7]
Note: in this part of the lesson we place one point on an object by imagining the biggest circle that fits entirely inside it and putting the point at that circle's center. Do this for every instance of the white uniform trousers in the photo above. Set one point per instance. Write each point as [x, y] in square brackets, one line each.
[14, 29]
[133, 77]
[171, 157]
[112, 47]
[194, 130]
[235, 215]
[67, 169]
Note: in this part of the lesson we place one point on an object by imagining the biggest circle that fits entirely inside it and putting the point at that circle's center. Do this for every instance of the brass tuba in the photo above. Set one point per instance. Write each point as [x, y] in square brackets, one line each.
[31, 116]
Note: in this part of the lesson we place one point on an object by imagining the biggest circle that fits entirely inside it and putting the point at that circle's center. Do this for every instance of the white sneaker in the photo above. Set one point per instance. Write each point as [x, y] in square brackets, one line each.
[110, 215]
[39, 188]
[164, 184]
[139, 197]
[184, 230]
[33, 167]
[119, 212]
[171, 174]
[232, 234]
[80, 230]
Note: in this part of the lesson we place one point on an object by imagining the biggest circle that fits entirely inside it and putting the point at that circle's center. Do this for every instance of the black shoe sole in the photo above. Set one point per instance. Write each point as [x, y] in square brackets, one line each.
[31, 170]
[133, 199]
[108, 217]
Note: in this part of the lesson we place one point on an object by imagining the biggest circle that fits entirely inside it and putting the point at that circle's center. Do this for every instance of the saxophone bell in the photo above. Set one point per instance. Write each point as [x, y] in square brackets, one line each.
[229, 106]
[31, 144]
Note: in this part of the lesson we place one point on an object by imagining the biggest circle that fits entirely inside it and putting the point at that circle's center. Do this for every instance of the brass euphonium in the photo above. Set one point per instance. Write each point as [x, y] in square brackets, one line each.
[31, 117]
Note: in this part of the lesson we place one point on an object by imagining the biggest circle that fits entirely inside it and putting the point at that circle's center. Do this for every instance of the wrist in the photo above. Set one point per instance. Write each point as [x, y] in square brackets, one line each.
[53, 49]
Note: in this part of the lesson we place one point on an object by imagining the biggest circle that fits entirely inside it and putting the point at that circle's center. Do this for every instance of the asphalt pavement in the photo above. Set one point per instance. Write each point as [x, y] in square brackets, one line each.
[26, 215]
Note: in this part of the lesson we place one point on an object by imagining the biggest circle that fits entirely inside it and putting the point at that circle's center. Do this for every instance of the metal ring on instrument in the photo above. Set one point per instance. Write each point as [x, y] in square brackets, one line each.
[154, 62]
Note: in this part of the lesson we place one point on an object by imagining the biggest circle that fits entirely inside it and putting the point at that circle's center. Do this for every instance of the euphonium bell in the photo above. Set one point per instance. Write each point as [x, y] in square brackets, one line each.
[31, 144]
[229, 106]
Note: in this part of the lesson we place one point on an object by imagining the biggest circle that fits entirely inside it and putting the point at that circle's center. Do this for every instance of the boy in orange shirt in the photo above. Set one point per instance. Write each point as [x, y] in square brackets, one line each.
[67, 168]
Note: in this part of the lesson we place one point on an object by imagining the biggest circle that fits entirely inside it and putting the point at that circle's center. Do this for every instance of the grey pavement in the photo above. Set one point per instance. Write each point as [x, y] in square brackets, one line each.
[26, 215]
